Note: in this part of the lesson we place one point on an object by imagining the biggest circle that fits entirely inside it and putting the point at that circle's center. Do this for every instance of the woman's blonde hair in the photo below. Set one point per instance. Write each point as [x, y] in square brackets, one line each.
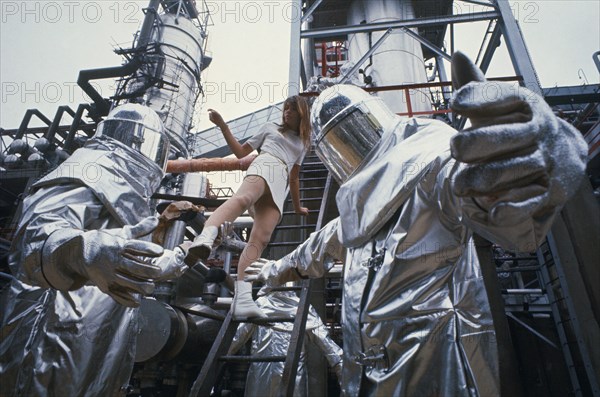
[301, 106]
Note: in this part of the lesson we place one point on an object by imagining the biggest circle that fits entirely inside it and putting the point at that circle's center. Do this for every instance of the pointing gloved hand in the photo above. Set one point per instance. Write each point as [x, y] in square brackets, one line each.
[112, 259]
[517, 159]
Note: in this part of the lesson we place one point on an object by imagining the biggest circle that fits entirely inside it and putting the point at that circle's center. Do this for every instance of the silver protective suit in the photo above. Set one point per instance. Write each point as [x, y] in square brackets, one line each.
[80, 342]
[264, 378]
[416, 319]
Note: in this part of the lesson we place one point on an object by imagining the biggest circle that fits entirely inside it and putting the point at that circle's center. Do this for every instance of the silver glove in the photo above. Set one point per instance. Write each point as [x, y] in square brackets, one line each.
[273, 272]
[517, 159]
[112, 259]
[171, 264]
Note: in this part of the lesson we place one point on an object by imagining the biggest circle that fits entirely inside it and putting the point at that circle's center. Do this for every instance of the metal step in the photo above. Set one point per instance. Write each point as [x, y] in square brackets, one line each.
[286, 244]
[252, 359]
[294, 212]
[314, 171]
[292, 227]
[318, 178]
[307, 199]
[308, 189]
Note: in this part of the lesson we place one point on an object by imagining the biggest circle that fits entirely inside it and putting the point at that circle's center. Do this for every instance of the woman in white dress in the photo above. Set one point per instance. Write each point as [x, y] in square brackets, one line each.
[263, 191]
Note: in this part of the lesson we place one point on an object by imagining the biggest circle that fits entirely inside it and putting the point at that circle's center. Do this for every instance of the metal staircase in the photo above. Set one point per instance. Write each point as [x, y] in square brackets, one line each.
[581, 372]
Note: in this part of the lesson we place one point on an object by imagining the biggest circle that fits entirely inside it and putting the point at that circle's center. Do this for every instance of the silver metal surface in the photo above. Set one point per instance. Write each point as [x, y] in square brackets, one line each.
[347, 124]
[195, 184]
[139, 128]
[161, 330]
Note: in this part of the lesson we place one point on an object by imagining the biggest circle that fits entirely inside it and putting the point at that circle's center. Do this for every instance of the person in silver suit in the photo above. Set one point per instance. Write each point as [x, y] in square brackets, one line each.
[82, 262]
[416, 319]
[264, 378]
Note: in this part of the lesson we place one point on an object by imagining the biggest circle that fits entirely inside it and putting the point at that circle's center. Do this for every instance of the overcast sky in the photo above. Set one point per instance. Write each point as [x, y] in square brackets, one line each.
[44, 45]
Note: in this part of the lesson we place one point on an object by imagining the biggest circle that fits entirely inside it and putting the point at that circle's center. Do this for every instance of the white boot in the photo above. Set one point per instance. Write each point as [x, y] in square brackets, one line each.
[243, 306]
[202, 245]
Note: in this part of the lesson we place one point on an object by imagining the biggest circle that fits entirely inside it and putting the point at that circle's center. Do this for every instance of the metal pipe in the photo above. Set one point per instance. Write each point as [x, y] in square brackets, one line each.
[535, 291]
[75, 126]
[209, 164]
[27, 118]
[396, 49]
[55, 123]
[530, 329]
[103, 105]
[146, 29]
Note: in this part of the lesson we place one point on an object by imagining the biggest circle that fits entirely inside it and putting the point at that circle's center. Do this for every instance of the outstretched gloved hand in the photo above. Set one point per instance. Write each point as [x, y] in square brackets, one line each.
[171, 263]
[112, 259]
[517, 159]
[275, 272]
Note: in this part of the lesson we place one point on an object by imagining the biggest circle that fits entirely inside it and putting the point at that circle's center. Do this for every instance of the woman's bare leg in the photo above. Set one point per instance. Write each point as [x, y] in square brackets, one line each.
[266, 218]
[251, 190]
[249, 193]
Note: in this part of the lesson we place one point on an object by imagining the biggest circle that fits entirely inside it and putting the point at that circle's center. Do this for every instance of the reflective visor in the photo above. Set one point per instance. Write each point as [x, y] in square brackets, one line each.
[349, 136]
[344, 145]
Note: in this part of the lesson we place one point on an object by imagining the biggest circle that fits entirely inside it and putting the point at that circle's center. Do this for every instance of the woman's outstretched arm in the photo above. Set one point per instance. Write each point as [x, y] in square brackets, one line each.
[238, 149]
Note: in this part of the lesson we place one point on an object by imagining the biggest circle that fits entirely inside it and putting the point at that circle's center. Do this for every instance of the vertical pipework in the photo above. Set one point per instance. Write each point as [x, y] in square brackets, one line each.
[146, 29]
[399, 58]
[169, 79]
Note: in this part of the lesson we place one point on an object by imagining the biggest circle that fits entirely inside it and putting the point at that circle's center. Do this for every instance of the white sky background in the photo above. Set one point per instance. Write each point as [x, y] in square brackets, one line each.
[44, 45]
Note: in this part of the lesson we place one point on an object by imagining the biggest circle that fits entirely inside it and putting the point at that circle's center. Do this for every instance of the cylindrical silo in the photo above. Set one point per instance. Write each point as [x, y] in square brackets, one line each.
[398, 60]
[169, 80]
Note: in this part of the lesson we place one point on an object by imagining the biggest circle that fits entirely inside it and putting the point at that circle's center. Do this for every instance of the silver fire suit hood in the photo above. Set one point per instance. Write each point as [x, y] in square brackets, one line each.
[347, 125]
[139, 128]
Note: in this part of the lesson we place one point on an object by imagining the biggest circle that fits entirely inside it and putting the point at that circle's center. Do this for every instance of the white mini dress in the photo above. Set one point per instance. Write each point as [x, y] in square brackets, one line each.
[278, 152]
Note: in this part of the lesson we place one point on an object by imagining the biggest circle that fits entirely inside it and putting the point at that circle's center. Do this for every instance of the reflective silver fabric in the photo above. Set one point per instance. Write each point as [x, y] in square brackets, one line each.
[139, 128]
[79, 342]
[264, 378]
[347, 124]
[416, 320]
